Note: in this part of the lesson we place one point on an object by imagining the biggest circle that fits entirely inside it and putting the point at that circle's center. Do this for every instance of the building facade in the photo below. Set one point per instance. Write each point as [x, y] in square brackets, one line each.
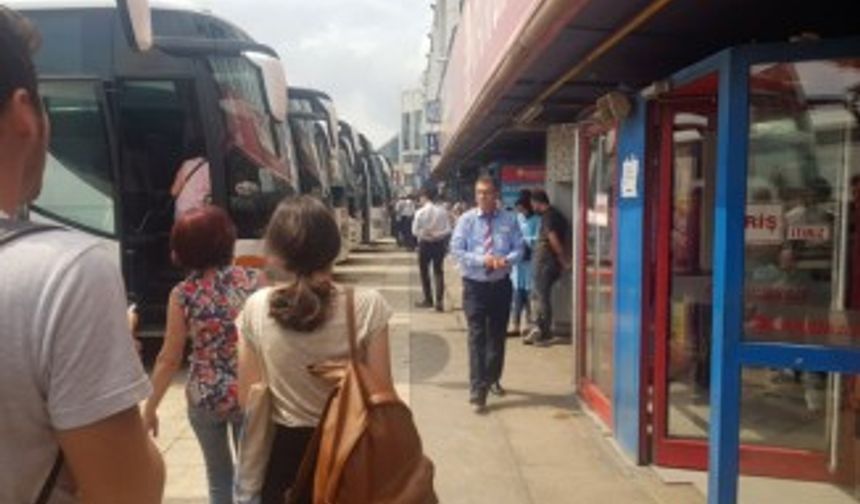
[707, 155]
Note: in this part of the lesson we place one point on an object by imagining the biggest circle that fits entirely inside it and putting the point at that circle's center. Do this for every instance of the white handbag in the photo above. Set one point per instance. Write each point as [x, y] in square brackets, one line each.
[255, 445]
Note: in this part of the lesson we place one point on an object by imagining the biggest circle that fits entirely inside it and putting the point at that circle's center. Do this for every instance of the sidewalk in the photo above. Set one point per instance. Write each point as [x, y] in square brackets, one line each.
[536, 445]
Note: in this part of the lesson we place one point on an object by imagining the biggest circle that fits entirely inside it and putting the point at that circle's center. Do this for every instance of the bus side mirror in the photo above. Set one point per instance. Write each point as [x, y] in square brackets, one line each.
[274, 81]
[137, 22]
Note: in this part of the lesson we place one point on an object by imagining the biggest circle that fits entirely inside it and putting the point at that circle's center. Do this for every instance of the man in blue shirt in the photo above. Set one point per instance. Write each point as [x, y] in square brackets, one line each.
[487, 242]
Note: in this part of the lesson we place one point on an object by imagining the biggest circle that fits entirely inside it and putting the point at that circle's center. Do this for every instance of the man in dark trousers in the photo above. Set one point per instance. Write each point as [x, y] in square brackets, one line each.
[432, 228]
[486, 242]
[549, 259]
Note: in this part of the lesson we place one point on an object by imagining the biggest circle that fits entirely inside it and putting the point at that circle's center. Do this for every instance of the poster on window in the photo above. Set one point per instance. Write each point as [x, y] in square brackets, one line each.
[764, 224]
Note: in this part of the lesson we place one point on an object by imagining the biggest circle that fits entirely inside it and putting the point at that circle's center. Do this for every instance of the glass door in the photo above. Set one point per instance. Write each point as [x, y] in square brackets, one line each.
[598, 272]
[784, 426]
[684, 282]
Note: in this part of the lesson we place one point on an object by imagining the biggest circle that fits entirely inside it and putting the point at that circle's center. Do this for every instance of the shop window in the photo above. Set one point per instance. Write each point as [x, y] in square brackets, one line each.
[803, 199]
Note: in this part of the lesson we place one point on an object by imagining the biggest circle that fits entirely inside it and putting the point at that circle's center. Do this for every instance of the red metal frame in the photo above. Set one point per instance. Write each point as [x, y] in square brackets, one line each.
[588, 390]
[693, 453]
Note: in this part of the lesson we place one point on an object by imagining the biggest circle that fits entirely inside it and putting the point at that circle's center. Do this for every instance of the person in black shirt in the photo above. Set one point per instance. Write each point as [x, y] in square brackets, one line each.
[550, 258]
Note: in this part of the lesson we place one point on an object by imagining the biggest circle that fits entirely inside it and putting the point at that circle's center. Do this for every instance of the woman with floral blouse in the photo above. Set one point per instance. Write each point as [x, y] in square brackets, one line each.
[203, 308]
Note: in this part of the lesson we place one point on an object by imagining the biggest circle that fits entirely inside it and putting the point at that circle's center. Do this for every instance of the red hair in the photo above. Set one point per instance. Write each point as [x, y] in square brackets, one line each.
[203, 238]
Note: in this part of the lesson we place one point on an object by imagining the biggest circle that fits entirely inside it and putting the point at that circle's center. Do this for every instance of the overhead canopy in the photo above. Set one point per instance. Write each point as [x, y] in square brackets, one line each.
[614, 45]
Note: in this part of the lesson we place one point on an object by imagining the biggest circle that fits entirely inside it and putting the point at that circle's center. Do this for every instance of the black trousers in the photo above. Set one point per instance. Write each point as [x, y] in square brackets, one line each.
[487, 306]
[546, 274]
[288, 449]
[407, 239]
[432, 253]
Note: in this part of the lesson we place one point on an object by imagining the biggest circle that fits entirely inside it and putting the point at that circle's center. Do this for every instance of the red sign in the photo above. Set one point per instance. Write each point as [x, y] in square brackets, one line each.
[818, 232]
[764, 224]
[528, 174]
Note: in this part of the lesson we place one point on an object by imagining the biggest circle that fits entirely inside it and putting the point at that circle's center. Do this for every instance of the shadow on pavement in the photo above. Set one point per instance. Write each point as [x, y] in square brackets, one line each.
[434, 353]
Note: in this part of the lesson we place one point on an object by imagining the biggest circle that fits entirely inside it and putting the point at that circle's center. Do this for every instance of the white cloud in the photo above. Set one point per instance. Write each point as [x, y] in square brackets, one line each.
[362, 52]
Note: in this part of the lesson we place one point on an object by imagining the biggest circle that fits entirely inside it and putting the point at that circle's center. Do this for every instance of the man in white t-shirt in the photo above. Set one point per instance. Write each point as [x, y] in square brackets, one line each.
[70, 379]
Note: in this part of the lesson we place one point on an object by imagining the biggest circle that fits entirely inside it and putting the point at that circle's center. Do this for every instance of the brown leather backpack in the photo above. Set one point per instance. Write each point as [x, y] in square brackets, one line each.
[366, 449]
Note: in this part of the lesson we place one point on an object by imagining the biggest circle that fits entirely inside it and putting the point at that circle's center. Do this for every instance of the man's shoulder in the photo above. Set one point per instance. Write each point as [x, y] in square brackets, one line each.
[49, 250]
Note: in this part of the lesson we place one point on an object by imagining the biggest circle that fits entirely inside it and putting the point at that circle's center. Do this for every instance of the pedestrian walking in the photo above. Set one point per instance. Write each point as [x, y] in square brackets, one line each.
[550, 259]
[405, 210]
[487, 242]
[202, 308]
[432, 228]
[522, 273]
[288, 327]
[192, 185]
[70, 378]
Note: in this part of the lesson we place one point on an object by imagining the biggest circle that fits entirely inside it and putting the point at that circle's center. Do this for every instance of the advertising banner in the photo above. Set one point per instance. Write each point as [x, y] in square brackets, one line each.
[487, 31]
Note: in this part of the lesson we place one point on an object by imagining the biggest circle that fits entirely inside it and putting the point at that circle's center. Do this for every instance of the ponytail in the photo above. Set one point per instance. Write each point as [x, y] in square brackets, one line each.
[303, 305]
[304, 236]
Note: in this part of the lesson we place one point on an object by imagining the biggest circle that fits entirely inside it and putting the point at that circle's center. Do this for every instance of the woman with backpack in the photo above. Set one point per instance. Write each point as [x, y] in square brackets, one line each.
[289, 327]
[203, 308]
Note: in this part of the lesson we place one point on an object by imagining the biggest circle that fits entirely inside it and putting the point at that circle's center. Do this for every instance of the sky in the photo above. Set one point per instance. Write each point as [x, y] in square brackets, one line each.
[363, 53]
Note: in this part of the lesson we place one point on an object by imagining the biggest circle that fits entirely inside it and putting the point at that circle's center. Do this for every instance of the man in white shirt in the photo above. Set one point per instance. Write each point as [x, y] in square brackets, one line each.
[70, 379]
[432, 228]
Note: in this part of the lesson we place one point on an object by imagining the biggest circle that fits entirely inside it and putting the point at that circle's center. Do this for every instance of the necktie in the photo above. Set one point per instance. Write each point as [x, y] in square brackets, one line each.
[488, 237]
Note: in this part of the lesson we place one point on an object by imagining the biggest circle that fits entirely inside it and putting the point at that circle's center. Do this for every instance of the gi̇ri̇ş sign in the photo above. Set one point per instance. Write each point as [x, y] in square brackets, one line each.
[764, 224]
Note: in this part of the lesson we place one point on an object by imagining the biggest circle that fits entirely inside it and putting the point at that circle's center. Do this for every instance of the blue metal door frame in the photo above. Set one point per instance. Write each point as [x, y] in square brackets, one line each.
[729, 351]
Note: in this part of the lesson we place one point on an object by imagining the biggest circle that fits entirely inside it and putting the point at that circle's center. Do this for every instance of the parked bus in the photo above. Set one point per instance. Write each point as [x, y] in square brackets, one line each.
[379, 191]
[124, 120]
[360, 168]
[313, 121]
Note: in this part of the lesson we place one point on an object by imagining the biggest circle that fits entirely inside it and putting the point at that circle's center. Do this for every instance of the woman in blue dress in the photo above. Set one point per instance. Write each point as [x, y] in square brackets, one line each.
[521, 275]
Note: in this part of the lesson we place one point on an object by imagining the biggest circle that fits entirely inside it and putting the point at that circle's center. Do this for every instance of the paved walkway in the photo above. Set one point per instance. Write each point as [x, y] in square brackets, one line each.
[536, 445]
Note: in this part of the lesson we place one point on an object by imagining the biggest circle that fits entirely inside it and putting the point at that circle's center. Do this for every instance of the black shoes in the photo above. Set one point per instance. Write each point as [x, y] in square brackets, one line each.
[478, 400]
[428, 304]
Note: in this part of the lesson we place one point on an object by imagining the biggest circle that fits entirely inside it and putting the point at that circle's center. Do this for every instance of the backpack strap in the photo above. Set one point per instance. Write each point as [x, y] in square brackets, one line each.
[350, 324]
[12, 230]
[51, 481]
[194, 171]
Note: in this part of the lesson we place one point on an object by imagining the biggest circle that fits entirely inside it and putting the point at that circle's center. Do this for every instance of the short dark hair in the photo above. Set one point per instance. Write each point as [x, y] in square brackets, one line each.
[203, 238]
[18, 41]
[487, 180]
[526, 203]
[429, 193]
[540, 196]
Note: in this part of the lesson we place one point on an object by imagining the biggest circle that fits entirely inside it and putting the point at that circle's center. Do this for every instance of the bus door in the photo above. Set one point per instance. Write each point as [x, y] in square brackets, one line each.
[78, 185]
[159, 130]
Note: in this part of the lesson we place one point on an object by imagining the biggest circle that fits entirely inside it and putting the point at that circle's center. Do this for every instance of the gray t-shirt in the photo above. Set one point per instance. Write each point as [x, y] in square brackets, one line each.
[67, 359]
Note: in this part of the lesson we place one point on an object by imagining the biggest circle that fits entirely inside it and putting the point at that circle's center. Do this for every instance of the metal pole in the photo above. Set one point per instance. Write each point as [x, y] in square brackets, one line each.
[838, 301]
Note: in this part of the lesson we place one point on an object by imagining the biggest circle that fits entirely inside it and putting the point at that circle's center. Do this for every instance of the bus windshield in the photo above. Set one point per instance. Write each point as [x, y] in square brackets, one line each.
[312, 155]
[78, 184]
[258, 164]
